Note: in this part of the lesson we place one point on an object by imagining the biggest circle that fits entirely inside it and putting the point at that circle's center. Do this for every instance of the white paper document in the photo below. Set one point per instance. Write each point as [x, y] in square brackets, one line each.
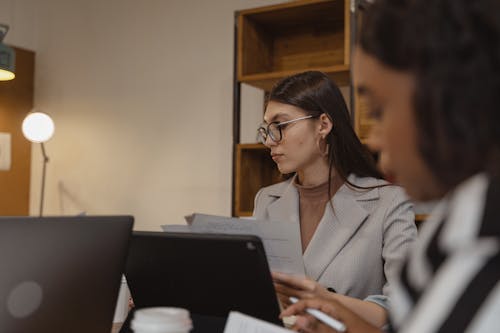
[240, 323]
[281, 240]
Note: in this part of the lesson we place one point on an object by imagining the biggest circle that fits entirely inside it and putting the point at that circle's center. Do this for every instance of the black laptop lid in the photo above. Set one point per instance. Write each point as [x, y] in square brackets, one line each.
[61, 274]
[208, 274]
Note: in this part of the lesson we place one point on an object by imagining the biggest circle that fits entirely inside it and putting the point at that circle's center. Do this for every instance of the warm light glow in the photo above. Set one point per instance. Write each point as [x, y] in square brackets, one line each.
[38, 127]
[6, 75]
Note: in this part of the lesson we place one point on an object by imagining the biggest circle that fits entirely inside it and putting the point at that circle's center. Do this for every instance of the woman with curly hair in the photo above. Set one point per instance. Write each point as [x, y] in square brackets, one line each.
[431, 72]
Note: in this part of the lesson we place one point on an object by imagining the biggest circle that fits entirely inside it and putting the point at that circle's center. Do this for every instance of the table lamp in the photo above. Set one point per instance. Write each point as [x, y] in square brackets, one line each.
[38, 127]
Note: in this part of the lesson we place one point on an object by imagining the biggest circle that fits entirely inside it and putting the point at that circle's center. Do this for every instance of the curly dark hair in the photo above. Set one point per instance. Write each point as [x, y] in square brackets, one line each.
[453, 49]
[315, 93]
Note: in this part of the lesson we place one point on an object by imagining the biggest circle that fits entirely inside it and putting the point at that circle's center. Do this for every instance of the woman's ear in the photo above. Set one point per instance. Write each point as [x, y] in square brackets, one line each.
[325, 125]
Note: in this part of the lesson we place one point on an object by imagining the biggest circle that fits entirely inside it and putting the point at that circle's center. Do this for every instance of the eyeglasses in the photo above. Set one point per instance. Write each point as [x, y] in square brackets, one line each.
[273, 130]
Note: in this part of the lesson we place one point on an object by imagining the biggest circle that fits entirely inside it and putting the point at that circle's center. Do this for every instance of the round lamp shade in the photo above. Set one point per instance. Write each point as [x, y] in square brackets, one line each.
[38, 127]
[6, 75]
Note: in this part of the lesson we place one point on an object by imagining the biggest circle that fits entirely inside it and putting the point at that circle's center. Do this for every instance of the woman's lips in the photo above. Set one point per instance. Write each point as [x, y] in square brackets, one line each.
[276, 157]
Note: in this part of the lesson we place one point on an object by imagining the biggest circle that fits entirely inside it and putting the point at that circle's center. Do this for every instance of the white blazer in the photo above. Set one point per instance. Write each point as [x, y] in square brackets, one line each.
[358, 246]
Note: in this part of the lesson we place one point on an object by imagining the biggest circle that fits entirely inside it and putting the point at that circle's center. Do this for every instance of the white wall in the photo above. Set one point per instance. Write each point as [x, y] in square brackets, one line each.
[21, 16]
[141, 94]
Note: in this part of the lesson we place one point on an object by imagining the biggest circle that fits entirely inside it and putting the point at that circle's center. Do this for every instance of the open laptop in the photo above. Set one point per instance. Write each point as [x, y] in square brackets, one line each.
[208, 274]
[61, 274]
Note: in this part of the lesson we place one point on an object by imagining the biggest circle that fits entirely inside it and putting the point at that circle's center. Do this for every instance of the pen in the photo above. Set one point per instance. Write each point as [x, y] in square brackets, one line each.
[323, 317]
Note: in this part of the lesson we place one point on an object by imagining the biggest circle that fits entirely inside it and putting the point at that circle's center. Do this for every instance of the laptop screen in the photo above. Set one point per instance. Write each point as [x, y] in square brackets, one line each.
[61, 274]
[208, 274]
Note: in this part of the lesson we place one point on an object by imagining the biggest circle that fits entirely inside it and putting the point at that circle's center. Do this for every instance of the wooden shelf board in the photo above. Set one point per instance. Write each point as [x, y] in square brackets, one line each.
[243, 146]
[284, 6]
[243, 213]
[339, 73]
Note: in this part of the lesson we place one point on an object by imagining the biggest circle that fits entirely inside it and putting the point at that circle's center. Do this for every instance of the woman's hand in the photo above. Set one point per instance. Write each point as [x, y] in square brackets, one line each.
[302, 288]
[309, 324]
[305, 288]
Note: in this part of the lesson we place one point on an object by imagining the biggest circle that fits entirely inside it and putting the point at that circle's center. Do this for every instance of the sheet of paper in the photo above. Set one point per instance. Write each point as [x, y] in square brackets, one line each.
[281, 240]
[176, 228]
[240, 323]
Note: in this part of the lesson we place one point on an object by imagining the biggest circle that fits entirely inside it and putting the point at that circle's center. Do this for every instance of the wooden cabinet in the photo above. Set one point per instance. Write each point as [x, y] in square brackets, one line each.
[271, 43]
[254, 169]
[16, 100]
[362, 122]
[277, 41]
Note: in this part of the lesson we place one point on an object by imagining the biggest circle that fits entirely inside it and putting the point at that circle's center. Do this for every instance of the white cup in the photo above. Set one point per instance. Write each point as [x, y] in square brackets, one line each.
[161, 320]
[121, 309]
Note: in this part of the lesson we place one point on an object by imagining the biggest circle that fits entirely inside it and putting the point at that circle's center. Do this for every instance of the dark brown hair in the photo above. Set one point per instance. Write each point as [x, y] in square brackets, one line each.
[315, 93]
[453, 49]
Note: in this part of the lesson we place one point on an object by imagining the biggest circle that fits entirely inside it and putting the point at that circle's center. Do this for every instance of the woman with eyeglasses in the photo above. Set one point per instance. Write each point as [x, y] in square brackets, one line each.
[430, 71]
[355, 227]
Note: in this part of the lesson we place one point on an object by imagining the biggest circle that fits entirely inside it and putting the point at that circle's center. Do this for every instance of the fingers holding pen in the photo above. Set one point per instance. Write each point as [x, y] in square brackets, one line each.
[308, 323]
[299, 308]
[305, 321]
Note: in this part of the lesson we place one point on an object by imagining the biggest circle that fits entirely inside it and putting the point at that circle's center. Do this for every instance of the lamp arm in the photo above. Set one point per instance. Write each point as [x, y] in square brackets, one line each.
[44, 154]
[45, 161]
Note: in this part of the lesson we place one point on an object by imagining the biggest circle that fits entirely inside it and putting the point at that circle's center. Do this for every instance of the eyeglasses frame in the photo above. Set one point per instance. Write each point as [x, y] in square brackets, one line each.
[264, 132]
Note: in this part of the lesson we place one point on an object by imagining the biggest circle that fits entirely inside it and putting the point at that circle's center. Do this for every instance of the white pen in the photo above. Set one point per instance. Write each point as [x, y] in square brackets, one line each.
[323, 317]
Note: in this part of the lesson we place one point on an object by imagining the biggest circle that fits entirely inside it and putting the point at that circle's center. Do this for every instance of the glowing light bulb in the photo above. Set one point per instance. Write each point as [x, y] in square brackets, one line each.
[38, 127]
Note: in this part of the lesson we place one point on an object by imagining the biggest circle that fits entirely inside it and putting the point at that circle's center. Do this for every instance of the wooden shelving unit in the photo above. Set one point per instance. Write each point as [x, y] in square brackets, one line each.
[274, 42]
[362, 121]
[16, 101]
[278, 41]
[271, 43]
[254, 169]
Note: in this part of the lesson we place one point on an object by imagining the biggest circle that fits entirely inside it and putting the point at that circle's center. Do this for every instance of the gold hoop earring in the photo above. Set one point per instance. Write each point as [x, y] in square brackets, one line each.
[327, 150]
[323, 147]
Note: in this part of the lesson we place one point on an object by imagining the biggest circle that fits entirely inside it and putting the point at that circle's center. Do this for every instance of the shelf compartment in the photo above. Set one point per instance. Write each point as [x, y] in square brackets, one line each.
[254, 170]
[281, 40]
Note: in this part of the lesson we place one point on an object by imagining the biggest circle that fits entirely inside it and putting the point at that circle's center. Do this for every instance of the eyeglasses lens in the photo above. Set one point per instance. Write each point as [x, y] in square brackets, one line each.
[274, 132]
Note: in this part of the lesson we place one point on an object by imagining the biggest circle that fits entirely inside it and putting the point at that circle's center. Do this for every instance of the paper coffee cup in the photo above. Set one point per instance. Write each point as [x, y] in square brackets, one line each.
[161, 320]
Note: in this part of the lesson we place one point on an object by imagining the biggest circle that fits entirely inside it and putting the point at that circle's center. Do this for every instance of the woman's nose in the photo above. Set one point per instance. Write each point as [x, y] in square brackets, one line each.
[269, 142]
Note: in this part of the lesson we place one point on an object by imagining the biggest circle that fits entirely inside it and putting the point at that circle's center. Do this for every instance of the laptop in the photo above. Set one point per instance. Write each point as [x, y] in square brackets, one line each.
[61, 274]
[208, 274]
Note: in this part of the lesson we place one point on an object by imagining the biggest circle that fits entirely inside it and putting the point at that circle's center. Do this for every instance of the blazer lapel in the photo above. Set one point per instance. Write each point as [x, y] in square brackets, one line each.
[336, 228]
[286, 207]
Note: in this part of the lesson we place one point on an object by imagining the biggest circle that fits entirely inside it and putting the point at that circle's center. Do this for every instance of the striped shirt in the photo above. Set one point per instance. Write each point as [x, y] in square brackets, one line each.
[451, 280]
